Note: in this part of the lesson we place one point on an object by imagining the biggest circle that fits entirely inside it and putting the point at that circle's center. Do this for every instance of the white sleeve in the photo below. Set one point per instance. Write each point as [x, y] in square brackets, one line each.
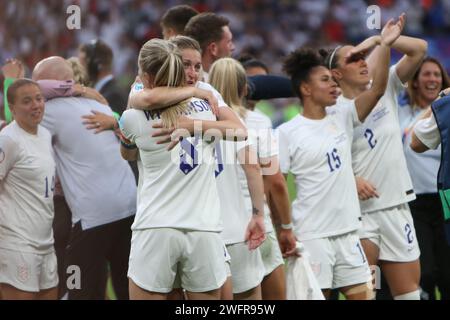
[347, 114]
[242, 145]
[427, 132]
[283, 148]
[353, 114]
[267, 146]
[128, 125]
[219, 98]
[9, 155]
[250, 142]
[207, 86]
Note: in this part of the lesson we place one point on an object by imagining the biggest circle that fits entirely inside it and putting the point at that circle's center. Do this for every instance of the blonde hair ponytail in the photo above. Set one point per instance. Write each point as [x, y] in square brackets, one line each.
[162, 60]
[228, 76]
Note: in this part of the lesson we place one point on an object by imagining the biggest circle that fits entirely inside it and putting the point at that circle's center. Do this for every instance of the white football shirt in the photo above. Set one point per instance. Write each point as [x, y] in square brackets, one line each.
[208, 87]
[427, 132]
[178, 187]
[259, 127]
[318, 154]
[27, 180]
[377, 150]
[235, 215]
[98, 184]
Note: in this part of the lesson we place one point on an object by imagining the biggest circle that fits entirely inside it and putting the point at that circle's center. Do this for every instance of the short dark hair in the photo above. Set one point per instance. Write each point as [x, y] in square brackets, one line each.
[299, 64]
[249, 61]
[177, 17]
[16, 85]
[206, 28]
[98, 56]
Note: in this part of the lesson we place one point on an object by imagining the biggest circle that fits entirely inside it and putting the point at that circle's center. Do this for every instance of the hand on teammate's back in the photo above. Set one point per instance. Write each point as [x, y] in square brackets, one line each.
[99, 122]
[172, 136]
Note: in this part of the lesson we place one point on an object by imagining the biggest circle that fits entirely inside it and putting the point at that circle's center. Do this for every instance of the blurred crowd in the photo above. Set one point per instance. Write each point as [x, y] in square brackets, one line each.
[269, 29]
[266, 29]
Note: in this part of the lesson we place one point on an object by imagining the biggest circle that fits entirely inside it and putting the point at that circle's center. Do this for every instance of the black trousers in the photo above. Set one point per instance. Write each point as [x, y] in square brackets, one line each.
[91, 250]
[62, 224]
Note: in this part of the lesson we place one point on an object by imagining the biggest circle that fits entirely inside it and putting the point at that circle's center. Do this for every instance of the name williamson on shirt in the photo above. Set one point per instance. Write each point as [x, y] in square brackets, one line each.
[194, 107]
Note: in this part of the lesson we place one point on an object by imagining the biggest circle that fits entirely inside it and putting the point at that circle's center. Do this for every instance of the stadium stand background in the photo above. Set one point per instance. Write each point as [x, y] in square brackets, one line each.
[268, 29]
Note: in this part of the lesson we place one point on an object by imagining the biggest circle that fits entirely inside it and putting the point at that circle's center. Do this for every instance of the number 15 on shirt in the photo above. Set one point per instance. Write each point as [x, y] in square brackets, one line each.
[334, 162]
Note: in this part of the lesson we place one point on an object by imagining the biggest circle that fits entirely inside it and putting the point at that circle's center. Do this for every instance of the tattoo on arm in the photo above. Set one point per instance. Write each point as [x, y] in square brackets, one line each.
[255, 211]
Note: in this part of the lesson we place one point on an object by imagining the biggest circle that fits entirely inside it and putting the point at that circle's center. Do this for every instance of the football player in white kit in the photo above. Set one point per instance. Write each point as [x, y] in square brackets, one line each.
[153, 98]
[249, 284]
[170, 216]
[28, 268]
[247, 268]
[384, 184]
[316, 148]
[228, 76]
[273, 286]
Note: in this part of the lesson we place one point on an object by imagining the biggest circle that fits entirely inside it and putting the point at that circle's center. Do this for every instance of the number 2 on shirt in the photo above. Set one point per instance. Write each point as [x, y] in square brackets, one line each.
[368, 134]
[409, 233]
[334, 162]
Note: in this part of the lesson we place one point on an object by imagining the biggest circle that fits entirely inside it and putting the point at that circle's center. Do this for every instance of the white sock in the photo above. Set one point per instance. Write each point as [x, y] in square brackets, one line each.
[414, 295]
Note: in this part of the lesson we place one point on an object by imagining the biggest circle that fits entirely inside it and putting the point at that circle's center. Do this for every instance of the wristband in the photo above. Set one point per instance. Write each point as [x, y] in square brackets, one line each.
[115, 126]
[128, 146]
[288, 226]
[125, 142]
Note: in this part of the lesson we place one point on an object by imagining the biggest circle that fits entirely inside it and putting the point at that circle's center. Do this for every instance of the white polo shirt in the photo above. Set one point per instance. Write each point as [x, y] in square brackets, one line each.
[98, 184]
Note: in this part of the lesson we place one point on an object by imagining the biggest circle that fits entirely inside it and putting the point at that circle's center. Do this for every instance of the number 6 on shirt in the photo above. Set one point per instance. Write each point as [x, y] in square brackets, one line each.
[188, 150]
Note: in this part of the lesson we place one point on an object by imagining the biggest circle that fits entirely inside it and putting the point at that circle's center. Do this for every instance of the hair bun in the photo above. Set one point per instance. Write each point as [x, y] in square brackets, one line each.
[301, 59]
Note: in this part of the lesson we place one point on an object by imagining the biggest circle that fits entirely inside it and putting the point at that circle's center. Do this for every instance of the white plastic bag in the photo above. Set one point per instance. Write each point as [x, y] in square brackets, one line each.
[301, 283]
